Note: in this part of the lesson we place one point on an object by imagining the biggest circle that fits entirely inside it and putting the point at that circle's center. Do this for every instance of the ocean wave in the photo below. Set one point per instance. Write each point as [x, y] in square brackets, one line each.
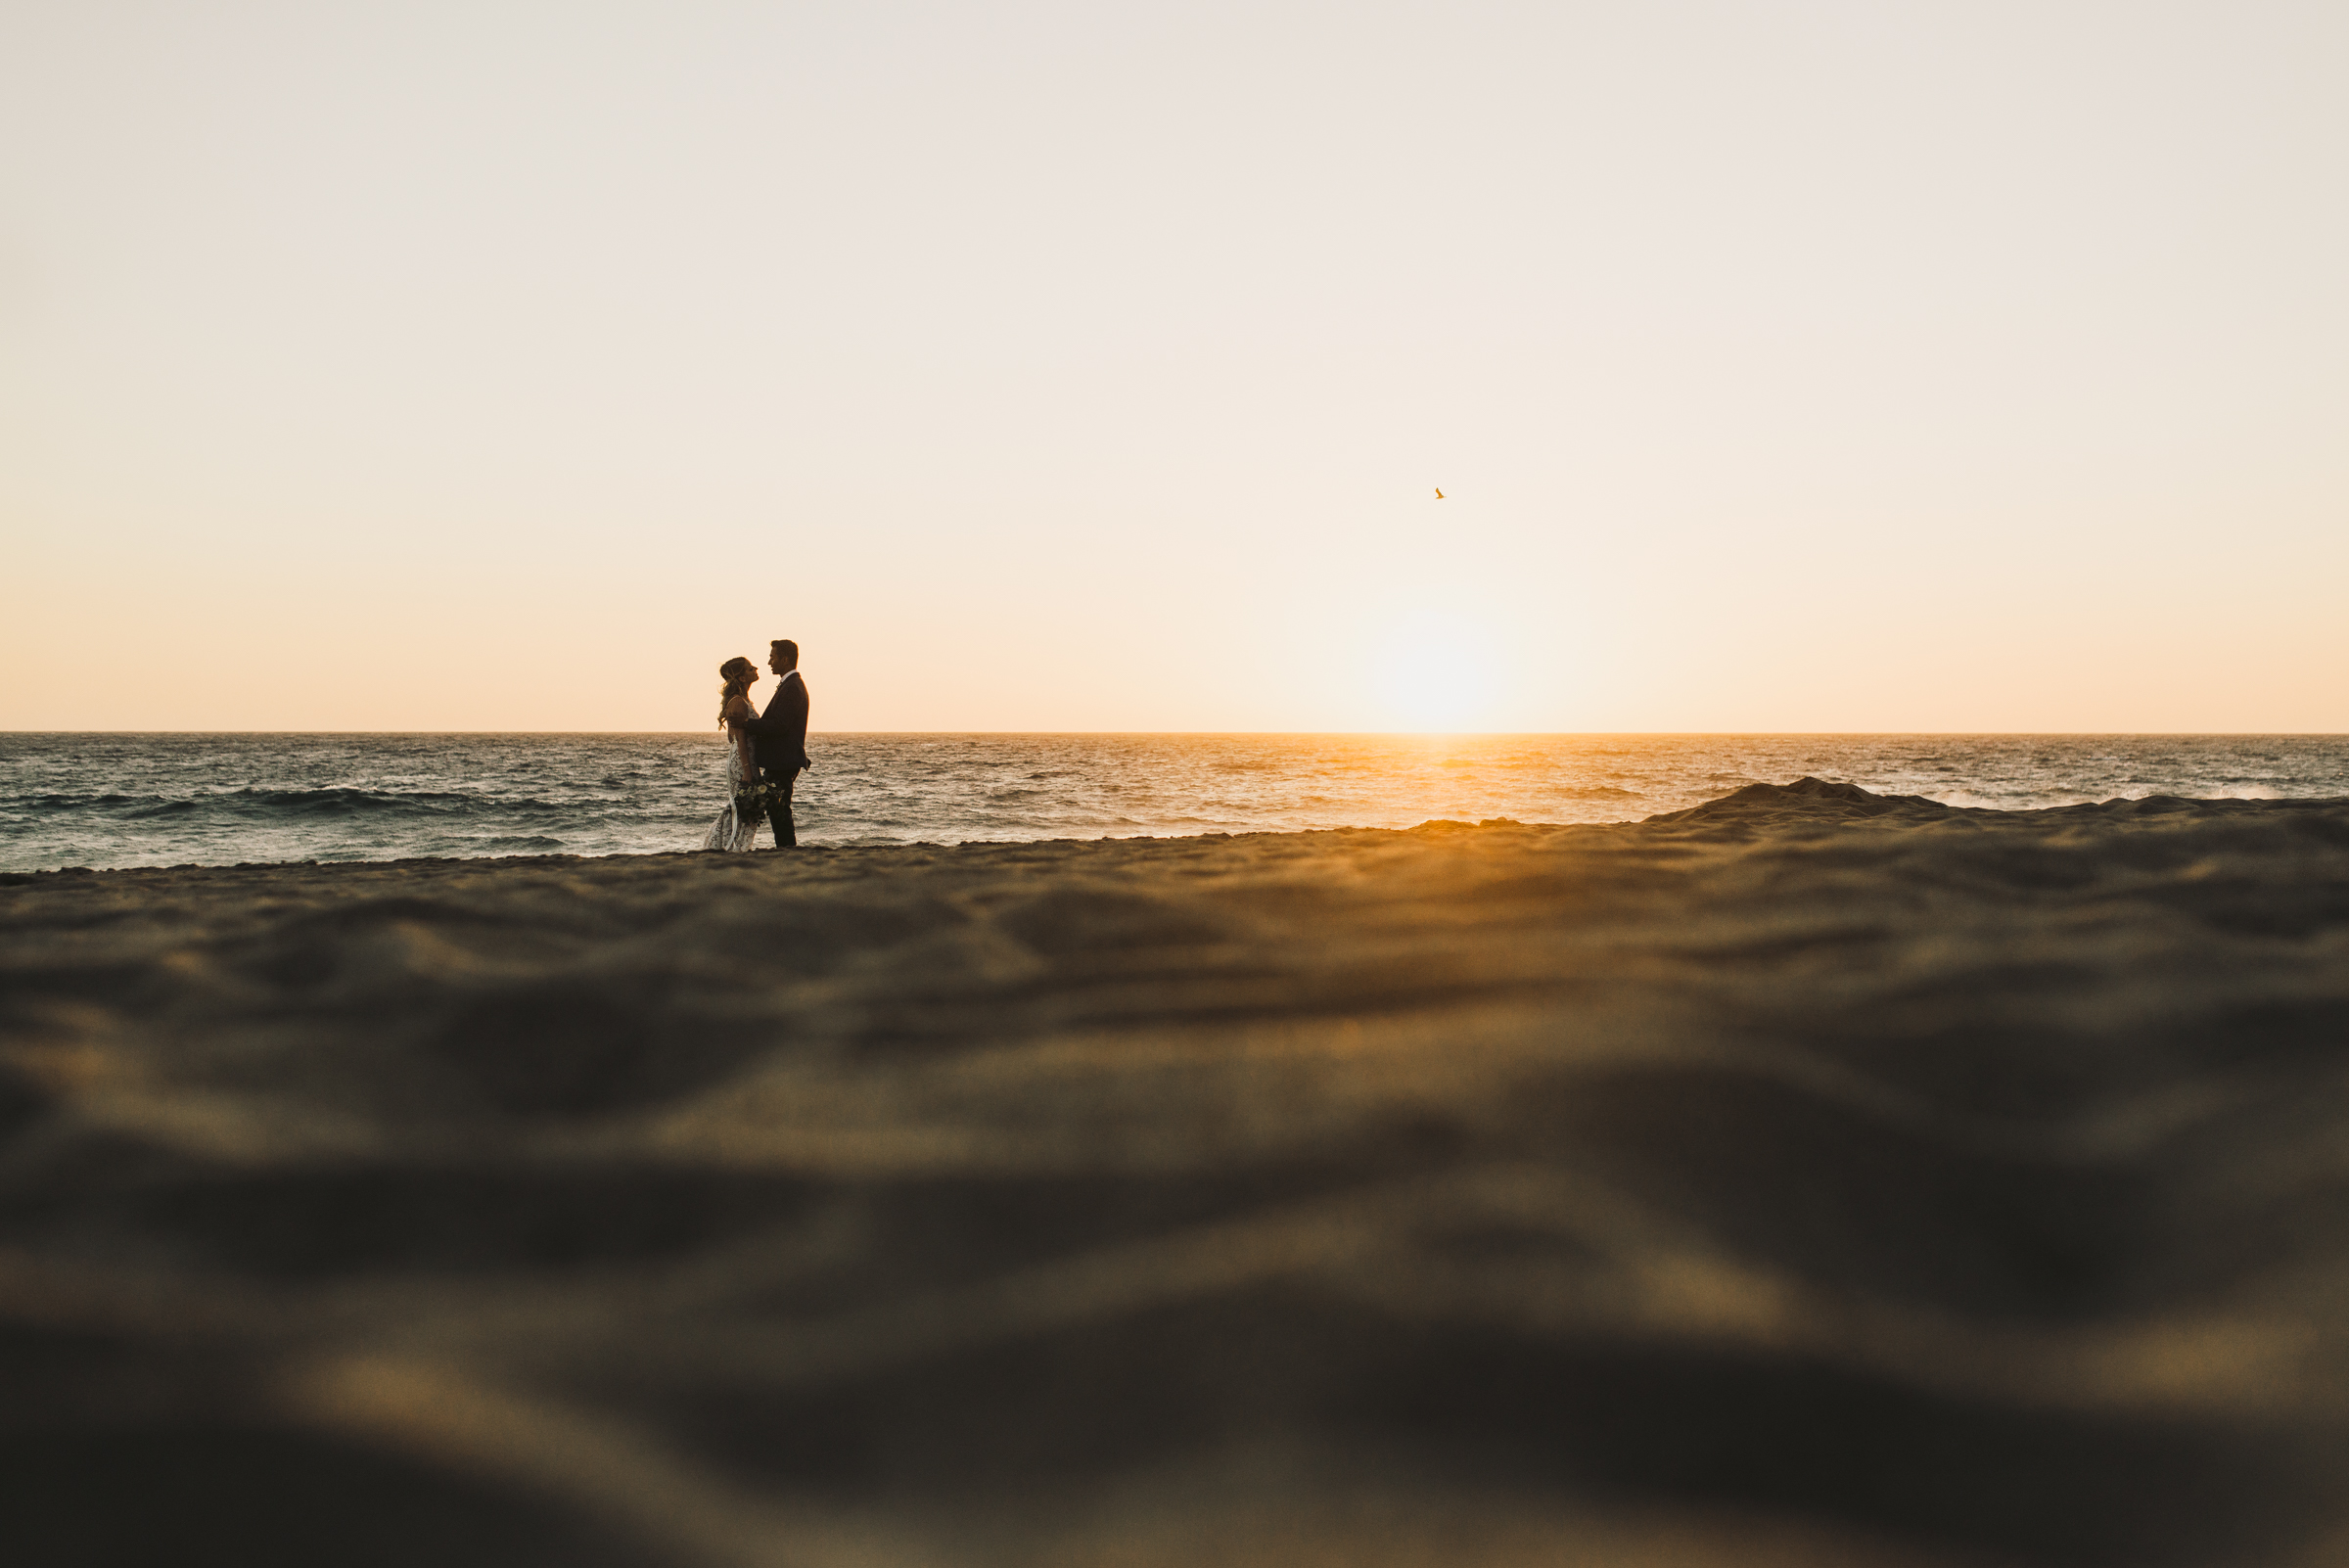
[224, 800]
[254, 804]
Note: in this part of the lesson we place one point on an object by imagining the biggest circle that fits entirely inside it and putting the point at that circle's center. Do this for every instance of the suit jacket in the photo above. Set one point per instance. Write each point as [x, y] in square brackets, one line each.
[779, 736]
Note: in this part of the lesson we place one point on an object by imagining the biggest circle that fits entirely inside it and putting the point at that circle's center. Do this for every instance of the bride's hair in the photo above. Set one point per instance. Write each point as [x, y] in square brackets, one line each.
[737, 672]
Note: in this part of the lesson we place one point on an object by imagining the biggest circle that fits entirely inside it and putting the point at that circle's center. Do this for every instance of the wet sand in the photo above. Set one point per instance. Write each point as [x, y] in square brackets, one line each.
[1811, 1178]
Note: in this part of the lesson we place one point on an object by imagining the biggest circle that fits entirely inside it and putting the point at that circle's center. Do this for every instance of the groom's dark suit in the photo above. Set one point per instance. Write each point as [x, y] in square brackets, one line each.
[779, 738]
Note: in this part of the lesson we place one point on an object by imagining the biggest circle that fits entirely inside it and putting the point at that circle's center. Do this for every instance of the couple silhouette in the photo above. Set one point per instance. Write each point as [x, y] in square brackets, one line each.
[765, 752]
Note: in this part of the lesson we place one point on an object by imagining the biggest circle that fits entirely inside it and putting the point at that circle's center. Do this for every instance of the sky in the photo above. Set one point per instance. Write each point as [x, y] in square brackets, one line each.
[1784, 368]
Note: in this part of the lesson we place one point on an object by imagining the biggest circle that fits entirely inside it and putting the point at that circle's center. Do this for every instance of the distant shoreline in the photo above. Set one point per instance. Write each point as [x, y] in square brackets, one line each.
[1277, 734]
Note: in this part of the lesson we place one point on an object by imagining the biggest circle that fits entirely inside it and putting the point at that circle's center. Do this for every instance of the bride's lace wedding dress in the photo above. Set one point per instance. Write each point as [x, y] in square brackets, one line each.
[738, 824]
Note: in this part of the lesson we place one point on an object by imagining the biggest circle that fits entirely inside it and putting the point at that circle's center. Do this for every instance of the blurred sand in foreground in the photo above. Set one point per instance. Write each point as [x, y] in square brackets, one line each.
[1811, 1178]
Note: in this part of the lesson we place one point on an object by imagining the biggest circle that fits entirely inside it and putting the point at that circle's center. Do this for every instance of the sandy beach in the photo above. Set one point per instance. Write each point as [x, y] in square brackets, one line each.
[1811, 1178]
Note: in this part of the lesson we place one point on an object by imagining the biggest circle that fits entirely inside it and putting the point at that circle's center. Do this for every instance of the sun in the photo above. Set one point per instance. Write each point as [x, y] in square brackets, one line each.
[1447, 676]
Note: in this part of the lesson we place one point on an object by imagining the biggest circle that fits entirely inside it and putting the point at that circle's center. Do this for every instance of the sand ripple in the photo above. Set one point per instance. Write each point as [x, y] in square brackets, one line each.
[1812, 1178]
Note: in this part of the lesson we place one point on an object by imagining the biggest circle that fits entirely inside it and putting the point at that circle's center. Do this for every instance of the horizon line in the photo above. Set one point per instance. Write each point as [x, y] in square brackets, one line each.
[1387, 734]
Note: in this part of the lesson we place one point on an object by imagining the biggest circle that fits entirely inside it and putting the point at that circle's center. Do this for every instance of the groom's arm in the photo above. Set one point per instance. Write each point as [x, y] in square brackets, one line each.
[786, 713]
[786, 719]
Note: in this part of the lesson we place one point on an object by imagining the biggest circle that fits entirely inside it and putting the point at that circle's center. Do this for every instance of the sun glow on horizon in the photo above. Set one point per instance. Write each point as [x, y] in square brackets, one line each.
[1094, 369]
[1449, 677]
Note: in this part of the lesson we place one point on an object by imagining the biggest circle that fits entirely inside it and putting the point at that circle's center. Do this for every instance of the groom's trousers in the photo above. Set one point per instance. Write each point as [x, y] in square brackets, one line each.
[778, 806]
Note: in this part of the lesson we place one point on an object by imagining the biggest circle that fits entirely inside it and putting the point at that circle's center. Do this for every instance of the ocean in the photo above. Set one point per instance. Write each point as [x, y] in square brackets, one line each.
[127, 799]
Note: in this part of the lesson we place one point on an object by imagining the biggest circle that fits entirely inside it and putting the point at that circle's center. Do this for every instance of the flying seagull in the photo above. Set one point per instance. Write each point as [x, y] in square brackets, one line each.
[1439, 496]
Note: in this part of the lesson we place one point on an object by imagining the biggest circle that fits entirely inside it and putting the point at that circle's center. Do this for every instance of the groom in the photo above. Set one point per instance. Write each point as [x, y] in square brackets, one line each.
[780, 738]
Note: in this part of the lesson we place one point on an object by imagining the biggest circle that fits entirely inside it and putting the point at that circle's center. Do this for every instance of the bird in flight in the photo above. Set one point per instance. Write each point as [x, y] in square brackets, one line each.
[1439, 496]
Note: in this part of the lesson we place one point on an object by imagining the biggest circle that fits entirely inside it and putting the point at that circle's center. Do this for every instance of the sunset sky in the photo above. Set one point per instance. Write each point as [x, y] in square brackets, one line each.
[1794, 366]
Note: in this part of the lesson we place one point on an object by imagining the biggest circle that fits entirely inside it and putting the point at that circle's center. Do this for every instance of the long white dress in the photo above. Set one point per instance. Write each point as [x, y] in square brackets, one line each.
[735, 829]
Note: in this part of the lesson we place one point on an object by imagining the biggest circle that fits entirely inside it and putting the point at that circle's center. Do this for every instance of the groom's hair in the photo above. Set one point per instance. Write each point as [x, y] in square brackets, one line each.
[786, 647]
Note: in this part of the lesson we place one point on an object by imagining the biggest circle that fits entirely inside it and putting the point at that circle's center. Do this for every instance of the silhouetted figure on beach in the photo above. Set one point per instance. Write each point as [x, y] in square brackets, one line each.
[765, 752]
[737, 826]
[780, 738]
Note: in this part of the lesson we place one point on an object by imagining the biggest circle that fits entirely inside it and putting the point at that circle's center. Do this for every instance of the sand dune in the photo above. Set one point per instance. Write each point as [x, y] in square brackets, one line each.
[1811, 1178]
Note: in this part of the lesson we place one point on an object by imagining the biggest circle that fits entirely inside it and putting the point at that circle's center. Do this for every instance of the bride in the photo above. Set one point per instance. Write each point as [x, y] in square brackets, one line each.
[738, 824]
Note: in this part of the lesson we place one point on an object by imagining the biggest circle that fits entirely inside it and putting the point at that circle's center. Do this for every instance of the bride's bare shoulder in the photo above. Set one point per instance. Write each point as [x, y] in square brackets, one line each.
[738, 708]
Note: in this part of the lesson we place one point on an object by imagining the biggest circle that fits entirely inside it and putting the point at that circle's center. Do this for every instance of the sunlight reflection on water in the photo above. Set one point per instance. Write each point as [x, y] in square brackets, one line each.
[162, 800]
